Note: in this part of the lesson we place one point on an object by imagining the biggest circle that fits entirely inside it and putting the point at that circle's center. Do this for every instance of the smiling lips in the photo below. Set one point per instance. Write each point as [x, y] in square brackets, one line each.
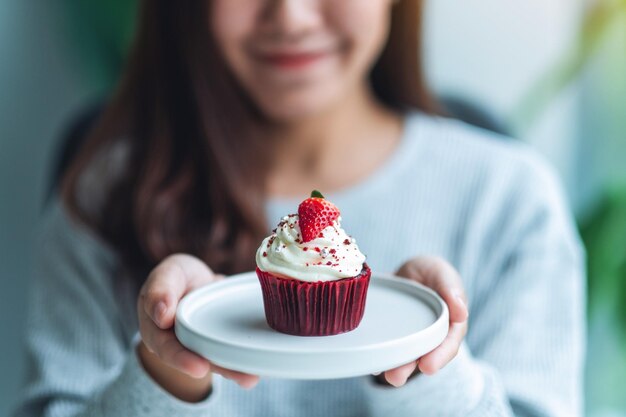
[293, 60]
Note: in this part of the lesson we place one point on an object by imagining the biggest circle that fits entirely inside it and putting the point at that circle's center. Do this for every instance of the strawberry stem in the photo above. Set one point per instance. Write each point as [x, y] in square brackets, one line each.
[316, 194]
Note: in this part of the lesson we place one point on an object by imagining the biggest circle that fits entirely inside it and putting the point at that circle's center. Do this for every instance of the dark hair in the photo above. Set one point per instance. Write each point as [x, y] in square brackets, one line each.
[193, 173]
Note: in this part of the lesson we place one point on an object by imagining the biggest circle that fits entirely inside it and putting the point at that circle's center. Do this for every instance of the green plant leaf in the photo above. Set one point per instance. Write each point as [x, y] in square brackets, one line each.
[595, 25]
[604, 235]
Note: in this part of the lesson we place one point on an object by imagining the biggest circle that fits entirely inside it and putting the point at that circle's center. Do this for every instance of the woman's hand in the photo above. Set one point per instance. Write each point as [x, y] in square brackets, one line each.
[183, 373]
[440, 276]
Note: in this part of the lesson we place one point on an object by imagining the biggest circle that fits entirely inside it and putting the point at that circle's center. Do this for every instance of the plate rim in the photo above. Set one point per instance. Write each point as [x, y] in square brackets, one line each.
[181, 320]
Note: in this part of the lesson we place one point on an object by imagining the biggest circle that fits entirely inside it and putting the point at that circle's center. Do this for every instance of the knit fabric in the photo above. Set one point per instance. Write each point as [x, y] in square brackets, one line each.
[489, 206]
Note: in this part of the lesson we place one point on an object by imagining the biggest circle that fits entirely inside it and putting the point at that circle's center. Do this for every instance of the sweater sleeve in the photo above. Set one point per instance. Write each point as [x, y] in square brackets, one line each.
[528, 315]
[464, 387]
[523, 354]
[81, 361]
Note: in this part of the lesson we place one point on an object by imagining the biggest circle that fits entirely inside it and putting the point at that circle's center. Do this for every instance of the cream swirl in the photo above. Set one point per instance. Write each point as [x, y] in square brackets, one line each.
[331, 256]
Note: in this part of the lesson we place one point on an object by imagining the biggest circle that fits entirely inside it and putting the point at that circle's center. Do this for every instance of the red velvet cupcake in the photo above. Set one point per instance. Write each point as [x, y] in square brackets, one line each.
[313, 276]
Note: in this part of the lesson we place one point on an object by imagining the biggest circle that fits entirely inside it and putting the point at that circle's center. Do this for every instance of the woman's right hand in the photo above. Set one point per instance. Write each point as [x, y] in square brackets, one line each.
[183, 373]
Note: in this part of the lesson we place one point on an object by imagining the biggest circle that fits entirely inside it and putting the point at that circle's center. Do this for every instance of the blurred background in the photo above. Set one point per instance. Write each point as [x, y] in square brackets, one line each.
[551, 73]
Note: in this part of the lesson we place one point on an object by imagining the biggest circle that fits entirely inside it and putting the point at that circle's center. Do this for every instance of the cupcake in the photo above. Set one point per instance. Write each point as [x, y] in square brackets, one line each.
[313, 276]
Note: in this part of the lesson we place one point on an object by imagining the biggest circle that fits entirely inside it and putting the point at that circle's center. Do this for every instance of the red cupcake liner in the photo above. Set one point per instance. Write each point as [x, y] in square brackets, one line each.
[304, 308]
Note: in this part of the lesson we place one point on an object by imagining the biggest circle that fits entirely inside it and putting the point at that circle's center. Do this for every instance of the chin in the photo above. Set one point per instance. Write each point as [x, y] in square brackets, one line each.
[297, 108]
[284, 114]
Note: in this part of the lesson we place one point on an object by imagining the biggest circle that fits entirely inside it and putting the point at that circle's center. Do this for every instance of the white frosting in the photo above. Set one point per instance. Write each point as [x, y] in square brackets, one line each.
[331, 256]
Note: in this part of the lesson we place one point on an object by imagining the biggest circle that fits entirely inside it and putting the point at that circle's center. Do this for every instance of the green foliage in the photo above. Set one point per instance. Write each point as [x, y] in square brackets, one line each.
[604, 234]
[596, 23]
[101, 32]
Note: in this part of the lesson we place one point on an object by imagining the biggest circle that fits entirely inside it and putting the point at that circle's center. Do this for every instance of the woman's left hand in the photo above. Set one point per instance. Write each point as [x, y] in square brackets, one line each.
[440, 276]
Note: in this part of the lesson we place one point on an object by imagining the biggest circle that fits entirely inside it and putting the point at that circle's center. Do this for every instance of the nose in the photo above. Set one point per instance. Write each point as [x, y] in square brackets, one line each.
[292, 17]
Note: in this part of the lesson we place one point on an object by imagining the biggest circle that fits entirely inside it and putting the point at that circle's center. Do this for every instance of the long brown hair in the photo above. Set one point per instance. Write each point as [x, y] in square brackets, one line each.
[193, 176]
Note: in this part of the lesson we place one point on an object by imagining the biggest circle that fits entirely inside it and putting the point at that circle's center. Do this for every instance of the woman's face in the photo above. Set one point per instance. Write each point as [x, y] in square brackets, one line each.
[296, 58]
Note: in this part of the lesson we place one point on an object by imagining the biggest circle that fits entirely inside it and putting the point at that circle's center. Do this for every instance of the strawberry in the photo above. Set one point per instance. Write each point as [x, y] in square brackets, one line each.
[315, 214]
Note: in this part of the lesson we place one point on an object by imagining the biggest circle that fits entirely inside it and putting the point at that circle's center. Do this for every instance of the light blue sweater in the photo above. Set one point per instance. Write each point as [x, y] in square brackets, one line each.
[488, 205]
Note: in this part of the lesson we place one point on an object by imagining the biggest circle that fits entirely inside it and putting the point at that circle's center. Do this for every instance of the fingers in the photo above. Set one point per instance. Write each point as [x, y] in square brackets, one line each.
[156, 310]
[168, 283]
[174, 277]
[244, 380]
[160, 294]
[398, 376]
[433, 361]
[165, 345]
[445, 352]
[440, 276]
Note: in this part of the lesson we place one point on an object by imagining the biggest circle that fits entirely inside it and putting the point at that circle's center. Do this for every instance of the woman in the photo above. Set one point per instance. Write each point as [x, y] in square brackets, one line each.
[228, 114]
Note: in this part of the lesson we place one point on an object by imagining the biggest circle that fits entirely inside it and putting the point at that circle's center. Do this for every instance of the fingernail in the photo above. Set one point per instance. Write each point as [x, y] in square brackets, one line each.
[462, 301]
[247, 384]
[197, 373]
[159, 312]
[399, 383]
[457, 293]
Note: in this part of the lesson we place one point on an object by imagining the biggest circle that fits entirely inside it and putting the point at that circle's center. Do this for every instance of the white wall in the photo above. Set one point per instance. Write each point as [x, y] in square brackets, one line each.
[492, 51]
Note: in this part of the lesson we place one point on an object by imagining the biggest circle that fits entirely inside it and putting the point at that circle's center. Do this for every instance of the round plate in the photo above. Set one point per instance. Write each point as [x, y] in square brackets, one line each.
[225, 322]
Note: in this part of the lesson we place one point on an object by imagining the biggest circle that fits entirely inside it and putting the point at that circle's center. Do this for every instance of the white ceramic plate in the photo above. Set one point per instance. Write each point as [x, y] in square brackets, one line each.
[225, 322]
